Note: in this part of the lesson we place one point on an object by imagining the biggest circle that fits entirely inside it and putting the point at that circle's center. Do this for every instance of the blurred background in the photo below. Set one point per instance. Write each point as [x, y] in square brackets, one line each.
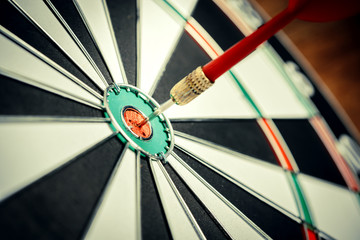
[333, 50]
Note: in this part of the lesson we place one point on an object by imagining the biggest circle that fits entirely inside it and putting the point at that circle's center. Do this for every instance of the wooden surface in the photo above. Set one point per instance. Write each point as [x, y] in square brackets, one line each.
[333, 50]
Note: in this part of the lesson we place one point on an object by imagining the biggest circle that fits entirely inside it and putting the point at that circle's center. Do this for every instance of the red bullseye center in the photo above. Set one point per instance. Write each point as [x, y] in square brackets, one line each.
[132, 118]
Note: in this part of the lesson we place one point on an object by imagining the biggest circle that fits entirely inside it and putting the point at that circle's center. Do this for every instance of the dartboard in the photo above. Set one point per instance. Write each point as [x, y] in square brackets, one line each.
[262, 154]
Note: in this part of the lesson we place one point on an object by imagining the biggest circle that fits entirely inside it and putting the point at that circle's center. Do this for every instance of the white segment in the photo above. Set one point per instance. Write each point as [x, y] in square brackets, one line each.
[267, 87]
[30, 118]
[210, 105]
[158, 36]
[42, 16]
[265, 179]
[16, 59]
[97, 19]
[116, 216]
[30, 150]
[335, 210]
[180, 225]
[232, 223]
[185, 7]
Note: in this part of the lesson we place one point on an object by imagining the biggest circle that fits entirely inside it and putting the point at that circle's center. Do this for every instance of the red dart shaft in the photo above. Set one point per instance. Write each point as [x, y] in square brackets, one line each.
[240, 50]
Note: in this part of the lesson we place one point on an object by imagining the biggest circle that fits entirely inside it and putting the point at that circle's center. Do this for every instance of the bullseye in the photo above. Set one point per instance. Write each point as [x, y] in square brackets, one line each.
[132, 117]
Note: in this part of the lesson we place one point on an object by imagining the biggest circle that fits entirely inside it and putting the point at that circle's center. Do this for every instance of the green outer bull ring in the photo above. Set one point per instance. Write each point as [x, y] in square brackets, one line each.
[116, 99]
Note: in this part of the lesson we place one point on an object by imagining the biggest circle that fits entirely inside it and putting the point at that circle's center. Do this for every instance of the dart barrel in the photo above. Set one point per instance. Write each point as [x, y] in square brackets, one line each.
[190, 87]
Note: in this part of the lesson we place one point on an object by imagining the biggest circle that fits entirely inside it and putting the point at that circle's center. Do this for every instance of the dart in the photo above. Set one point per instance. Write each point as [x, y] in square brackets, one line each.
[204, 77]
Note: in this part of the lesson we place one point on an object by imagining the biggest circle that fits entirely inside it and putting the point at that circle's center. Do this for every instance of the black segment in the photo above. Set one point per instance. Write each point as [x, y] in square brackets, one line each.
[271, 221]
[217, 24]
[209, 226]
[308, 150]
[17, 98]
[59, 205]
[243, 135]
[123, 15]
[329, 114]
[326, 110]
[69, 13]
[153, 220]
[186, 57]
[15, 22]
